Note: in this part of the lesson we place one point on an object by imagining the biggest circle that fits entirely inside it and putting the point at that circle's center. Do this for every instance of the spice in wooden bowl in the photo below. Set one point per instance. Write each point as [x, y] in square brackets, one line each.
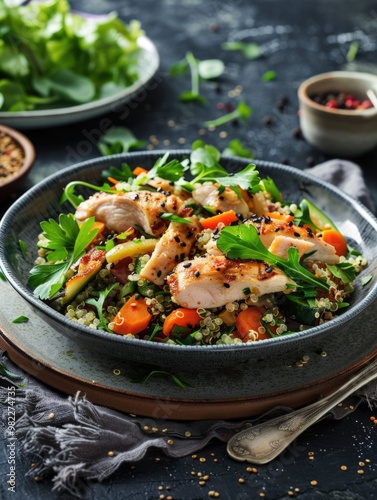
[16, 158]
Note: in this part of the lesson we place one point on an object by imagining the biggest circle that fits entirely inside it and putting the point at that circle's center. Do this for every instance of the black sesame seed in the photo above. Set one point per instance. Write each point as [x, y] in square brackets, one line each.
[187, 264]
[296, 234]
[159, 273]
[269, 270]
[135, 197]
[197, 274]
[226, 285]
[176, 238]
[162, 204]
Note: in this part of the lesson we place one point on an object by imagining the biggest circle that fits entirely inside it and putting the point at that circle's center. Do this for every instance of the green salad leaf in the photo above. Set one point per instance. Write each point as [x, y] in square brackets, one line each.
[66, 242]
[53, 57]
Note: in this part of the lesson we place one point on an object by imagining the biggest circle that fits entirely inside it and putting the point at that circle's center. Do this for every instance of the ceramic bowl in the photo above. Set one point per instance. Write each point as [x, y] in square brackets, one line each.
[21, 151]
[301, 359]
[346, 133]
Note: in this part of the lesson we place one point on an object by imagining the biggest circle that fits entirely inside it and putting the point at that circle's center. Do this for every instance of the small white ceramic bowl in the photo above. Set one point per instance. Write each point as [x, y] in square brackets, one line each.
[346, 133]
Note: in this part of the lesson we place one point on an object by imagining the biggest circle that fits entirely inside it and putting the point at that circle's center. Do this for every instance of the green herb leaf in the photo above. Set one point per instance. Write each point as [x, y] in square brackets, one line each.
[366, 279]
[243, 242]
[268, 76]
[243, 111]
[23, 247]
[193, 94]
[352, 51]
[98, 304]
[8, 373]
[235, 148]
[118, 140]
[344, 271]
[179, 68]
[174, 218]
[20, 319]
[46, 50]
[142, 374]
[2, 277]
[210, 68]
[270, 187]
[250, 50]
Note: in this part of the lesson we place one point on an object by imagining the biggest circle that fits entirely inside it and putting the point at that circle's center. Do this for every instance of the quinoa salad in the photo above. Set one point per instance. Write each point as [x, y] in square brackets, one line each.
[186, 253]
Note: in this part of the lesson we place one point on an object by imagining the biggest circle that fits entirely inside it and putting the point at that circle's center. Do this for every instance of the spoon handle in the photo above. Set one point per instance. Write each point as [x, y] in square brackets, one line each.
[262, 443]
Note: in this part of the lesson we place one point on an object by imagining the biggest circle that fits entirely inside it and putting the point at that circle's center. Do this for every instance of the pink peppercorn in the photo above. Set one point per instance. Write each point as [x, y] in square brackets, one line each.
[332, 103]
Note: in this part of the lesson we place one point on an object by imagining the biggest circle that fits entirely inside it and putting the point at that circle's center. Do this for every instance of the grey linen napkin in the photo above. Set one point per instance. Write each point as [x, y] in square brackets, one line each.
[77, 442]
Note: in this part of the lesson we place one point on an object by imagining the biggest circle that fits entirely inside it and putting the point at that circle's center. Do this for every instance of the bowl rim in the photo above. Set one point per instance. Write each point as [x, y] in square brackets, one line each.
[107, 338]
[304, 98]
[29, 152]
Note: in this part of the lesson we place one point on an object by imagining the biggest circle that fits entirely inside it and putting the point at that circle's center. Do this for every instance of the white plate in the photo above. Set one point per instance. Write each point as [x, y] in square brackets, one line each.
[148, 64]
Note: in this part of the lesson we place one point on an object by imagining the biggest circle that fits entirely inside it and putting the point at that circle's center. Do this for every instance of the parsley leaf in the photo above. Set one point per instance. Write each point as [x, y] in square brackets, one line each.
[66, 242]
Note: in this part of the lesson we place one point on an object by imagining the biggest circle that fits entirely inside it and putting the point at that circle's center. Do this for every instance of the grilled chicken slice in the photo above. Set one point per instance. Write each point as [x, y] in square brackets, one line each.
[207, 194]
[214, 281]
[139, 208]
[281, 244]
[174, 245]
[270, 228]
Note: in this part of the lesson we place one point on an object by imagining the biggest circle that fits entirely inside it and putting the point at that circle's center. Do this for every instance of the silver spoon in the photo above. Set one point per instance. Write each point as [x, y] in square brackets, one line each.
[262, 443]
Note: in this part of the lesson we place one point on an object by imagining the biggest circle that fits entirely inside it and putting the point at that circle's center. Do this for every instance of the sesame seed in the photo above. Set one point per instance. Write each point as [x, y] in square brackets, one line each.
[241, 480]
[51, 416]
[313, 482]
[343, 467]
[170, 441]
[110, 453]
[360, 471]
[116, 372]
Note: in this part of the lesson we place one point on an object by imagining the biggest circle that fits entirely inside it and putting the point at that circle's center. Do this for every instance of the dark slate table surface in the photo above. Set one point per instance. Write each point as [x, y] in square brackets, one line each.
[331, 459]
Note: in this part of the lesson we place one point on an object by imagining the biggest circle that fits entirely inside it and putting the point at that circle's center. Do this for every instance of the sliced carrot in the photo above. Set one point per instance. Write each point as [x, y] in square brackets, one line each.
[183, 317]
[225, 218]
[336, 239]
[139, 170]
[249, 319]
[112, 180]
[279, 216]
[133, 317]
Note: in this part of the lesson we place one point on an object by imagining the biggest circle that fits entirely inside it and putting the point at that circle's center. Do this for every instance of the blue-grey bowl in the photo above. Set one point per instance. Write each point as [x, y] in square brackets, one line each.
[272, 366]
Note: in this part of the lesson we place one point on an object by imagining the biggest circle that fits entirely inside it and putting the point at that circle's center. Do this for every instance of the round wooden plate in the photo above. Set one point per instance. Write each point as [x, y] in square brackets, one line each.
[69, 367]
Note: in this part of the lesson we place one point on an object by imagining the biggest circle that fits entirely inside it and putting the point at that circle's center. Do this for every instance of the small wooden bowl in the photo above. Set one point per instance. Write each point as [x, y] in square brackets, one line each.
[17, 156]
